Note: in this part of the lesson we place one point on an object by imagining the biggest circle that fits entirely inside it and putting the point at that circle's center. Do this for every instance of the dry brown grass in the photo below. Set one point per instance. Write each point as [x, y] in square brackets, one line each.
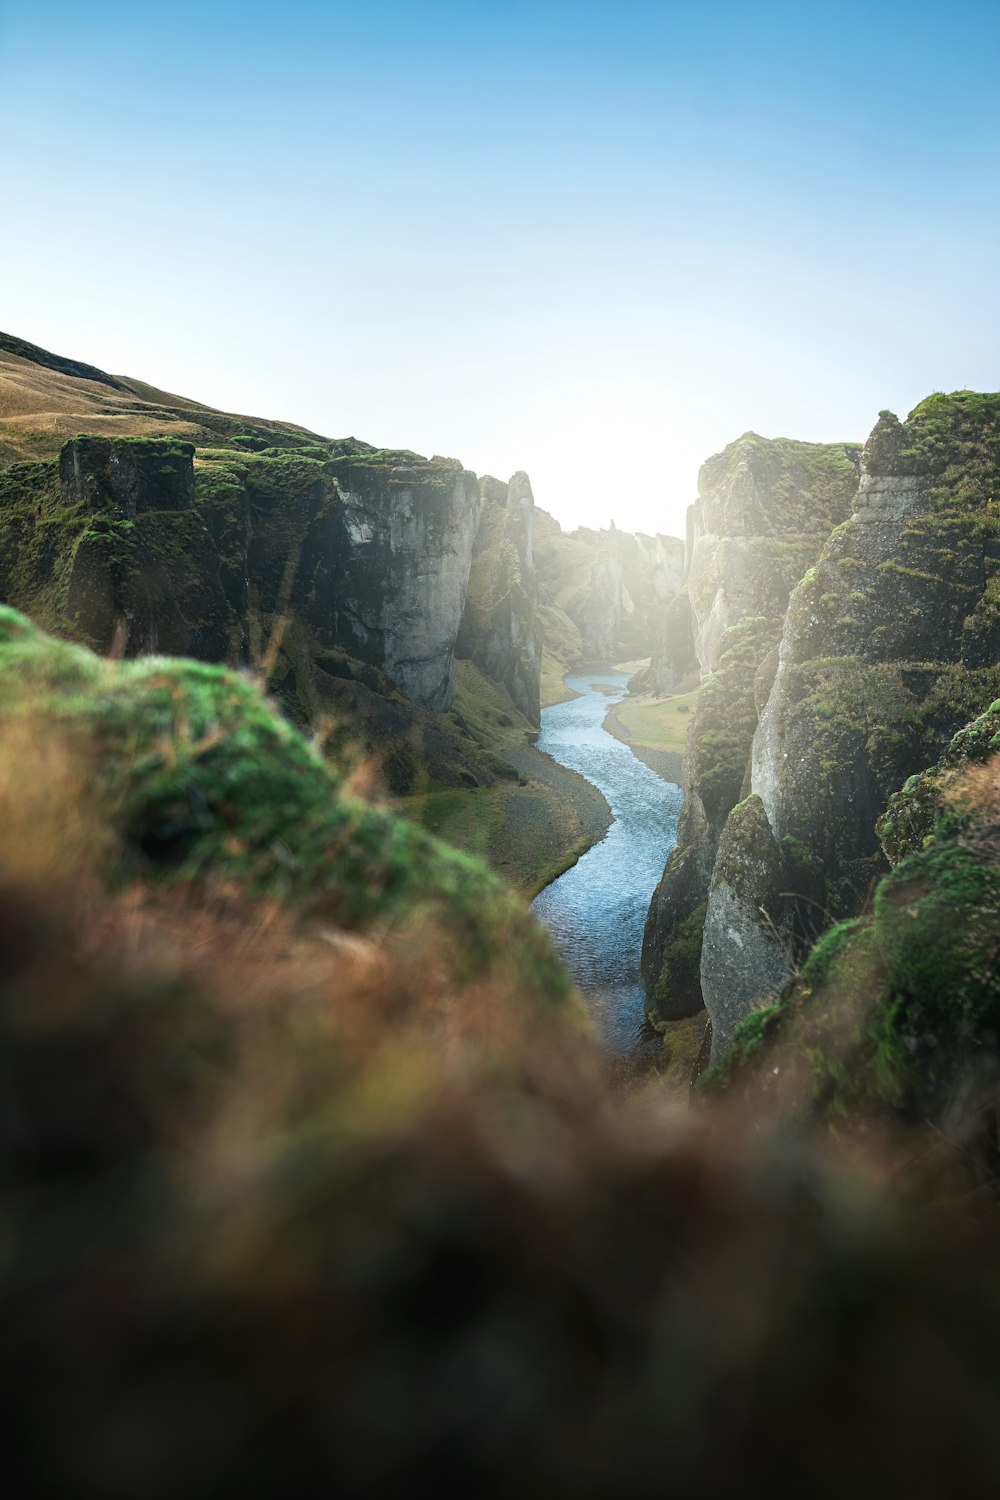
[288, 1211]
[41, 408]
[977, 790]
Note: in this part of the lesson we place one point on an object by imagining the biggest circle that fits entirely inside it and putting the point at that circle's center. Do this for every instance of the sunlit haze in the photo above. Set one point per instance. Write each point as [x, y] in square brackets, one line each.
[593, 241]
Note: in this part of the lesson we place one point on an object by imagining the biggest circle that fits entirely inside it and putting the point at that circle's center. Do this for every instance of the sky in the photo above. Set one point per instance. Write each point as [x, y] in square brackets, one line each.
[593, 241]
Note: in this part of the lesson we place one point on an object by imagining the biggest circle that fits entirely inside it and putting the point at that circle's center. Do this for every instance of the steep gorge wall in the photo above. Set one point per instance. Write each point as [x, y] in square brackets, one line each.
[339, 570]
[890, 644]
[499, 630]
[137, 547]
[765, 509]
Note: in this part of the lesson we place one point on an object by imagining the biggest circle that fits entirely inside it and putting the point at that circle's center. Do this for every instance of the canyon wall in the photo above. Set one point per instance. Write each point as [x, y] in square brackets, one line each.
[499, 631]
[340, 570]
[890, 644]
[765, 508]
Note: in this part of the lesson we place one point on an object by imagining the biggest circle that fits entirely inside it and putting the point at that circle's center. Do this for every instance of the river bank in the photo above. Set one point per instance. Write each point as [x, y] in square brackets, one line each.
[530, 830]
[666, 763]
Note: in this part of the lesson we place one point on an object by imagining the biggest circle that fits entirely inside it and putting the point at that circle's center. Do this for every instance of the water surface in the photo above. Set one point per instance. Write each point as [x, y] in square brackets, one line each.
[596, 911]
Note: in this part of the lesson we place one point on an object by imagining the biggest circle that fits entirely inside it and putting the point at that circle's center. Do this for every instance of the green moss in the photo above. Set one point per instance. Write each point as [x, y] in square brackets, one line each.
[892, 1011]
[203, 780]
[679, 980]
[725, 716]
[827, 951]
[922, 808]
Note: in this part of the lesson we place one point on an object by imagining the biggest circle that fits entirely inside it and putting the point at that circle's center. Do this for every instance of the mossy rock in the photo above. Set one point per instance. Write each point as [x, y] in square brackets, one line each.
[201, 779]
[897, 1013]
[926, 804]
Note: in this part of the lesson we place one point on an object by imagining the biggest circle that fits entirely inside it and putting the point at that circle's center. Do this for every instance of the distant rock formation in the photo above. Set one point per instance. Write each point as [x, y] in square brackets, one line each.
[601, 591]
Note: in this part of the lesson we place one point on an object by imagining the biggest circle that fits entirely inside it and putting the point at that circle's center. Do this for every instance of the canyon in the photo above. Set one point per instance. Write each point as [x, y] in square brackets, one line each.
[832, 618]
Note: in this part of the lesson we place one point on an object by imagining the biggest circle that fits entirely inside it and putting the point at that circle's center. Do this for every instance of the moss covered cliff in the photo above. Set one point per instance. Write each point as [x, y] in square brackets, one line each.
[895, 1015]
[765, 509]
[890, 644]
[337, 569]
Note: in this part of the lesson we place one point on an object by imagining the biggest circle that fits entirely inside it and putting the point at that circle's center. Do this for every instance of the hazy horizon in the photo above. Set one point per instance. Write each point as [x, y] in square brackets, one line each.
[596, 244]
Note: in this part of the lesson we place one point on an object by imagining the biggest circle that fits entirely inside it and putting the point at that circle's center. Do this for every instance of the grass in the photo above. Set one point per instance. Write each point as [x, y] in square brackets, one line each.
[553, 688]
[485, 709]
[658, 723]
[528, 834]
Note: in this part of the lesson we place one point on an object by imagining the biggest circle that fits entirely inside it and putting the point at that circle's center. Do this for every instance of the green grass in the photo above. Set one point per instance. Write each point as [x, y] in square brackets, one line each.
[659, 723]
[553, 688]
[485, 710]
[528, 834]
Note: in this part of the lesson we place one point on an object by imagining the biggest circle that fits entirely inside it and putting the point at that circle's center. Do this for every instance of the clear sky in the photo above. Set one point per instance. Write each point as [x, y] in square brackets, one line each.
[593, 241]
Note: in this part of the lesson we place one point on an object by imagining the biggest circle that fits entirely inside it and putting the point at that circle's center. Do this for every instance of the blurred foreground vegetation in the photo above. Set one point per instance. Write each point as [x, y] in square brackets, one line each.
[314, 1180]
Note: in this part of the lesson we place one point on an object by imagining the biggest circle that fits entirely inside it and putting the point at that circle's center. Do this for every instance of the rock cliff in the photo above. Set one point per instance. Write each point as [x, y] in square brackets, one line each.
[499, 630]
[894, 1016]
[765, 508]
[890, 643]
[370, 550]
[340, 569]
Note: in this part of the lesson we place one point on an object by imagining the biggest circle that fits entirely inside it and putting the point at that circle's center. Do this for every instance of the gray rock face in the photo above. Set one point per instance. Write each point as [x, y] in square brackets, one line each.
[404, 555]
[889, 645]
[890, 498]
[765, 509]
[746, 957]
[498, 629]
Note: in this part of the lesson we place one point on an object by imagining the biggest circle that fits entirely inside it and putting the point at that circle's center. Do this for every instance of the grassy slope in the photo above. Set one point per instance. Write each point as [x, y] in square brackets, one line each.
[42, 406]
[532, 825]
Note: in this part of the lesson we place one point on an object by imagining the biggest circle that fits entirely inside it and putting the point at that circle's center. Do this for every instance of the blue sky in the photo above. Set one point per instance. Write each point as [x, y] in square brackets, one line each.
[594, 241]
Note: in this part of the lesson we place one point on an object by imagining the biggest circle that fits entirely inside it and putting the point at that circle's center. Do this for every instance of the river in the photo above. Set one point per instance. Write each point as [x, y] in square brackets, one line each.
[595, 912]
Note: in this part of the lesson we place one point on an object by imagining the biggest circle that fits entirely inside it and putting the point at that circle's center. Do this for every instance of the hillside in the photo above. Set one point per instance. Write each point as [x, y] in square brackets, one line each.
[349, 577]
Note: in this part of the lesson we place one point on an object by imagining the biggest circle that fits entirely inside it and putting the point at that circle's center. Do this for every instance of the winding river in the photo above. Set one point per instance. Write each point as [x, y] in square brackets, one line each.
[595, 912]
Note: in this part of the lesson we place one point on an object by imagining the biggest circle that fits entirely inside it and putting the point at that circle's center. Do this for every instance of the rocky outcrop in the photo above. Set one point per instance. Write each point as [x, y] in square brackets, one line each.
[765, 509]
[894, 1016]
[499, 630]
[121, 478]
[741, 914]
[936, 801]
[890, 644]
[134, 546]
[403, 554]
